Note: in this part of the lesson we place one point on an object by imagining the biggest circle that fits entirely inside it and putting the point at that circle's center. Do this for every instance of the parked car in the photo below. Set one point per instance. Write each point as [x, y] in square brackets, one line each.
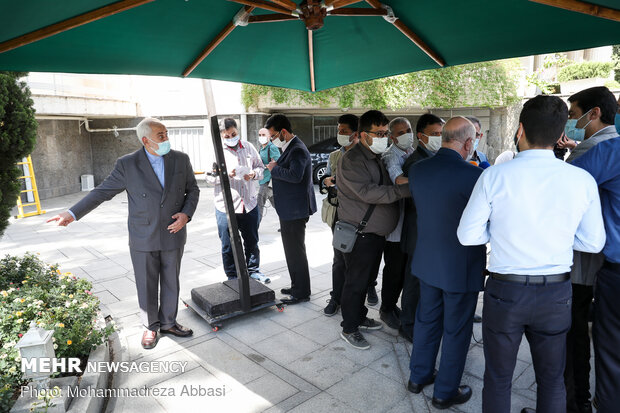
[319, 152]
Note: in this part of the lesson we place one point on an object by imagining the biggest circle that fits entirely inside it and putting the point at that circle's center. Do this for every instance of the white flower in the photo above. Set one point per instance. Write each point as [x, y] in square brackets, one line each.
[63, 287]
[20, 320]
[55, 346]
[67, 304]
[3, 355]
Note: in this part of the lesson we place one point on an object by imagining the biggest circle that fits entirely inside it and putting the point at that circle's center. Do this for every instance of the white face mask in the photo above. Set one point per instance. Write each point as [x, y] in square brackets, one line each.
[232, 142]
[343, 140]
[278, 142]
[379, 145]
[434, 143]
[471, 153]
[263, 139]
[405, 141]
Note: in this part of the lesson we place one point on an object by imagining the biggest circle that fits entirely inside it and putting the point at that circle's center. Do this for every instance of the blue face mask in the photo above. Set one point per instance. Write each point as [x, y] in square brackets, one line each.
[573, 132]
[164, 147]
[618, 123]
[476, 144]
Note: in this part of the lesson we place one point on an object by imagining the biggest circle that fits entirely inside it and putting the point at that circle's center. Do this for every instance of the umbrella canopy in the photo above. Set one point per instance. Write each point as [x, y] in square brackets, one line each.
[204, 39]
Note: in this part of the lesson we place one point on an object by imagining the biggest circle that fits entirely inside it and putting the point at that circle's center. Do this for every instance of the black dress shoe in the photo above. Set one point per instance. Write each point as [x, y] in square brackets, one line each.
[417, 388]
[406, 335]
[390, 319]
[178, 330]
[528, 410]
[286, 291]
[294, 300]
[463, 394]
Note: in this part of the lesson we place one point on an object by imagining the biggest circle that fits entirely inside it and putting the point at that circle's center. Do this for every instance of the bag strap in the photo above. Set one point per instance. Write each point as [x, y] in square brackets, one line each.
[371, 208]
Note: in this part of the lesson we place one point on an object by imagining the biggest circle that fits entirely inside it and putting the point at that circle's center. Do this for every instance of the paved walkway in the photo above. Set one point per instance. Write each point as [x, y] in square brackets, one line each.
[265, 361]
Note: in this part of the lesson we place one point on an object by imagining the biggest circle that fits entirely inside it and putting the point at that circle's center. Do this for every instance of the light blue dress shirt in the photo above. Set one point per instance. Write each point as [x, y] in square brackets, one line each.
[157, 162]
[534, 210]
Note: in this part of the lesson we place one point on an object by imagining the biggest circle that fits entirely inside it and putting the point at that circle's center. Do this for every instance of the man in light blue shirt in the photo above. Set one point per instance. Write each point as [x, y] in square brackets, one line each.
[534, 211]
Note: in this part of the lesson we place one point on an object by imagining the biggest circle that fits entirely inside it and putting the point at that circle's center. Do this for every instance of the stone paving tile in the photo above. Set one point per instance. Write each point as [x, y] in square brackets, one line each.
[253, 328]
[325, 403]
[387, 365]
[324, 367]
[362, 391]
[271, 388]
[122, 288]
[322, 330]
[378, 348]
[294, 315]
[285, 347]
[106, 297]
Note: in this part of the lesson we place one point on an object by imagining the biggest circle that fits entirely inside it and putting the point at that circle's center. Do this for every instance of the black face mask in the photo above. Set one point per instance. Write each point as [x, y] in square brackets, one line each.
[516, 140]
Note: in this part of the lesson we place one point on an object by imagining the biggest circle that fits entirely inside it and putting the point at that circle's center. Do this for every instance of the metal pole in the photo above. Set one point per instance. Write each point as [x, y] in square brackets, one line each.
[242, 269]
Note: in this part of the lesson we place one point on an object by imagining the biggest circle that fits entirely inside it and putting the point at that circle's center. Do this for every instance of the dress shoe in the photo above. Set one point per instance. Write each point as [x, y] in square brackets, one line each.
[406, 335]
[286, 291]
[477, 318]
[417, 388]
[294, 300]
[390, 319]
[177, 330]
[584, 407]
[149, 339]
[528, 410]
[462, 395]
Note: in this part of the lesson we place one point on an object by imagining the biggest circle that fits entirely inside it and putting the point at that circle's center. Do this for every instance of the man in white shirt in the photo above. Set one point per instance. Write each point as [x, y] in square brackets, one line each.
[245, 169]
[534, 210]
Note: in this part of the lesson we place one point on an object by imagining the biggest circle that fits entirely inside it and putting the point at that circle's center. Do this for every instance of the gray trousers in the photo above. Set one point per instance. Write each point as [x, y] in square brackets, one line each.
[157, 276]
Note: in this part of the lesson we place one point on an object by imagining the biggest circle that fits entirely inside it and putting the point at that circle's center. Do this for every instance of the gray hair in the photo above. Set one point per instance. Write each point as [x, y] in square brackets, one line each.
[398, 121]
[461, 134]
[475, 120]
[144, 127]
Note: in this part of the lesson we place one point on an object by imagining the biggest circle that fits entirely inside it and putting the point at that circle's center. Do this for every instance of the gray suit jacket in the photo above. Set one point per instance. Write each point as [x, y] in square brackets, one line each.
[602, 135]
[150, 206]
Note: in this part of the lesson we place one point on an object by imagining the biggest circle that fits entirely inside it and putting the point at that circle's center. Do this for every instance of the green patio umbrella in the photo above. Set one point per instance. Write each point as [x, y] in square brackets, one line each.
[268, 42]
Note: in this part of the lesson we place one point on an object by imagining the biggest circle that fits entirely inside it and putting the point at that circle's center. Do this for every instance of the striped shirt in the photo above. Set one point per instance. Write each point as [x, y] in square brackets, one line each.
[243, 192]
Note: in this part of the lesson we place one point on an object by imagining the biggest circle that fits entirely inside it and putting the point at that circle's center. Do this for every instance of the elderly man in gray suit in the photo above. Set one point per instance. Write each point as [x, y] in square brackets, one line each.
[162, 194]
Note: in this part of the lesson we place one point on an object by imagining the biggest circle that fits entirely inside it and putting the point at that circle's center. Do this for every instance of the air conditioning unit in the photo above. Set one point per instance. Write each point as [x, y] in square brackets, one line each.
[88, 182]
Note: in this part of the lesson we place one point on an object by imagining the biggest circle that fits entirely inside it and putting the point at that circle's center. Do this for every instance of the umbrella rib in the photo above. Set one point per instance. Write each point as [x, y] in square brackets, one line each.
[71, 23]
[411, 35]
[287, 4]
[264, 5]
[311, 59]
[358, 12]
[336, 4]
[215, 42]
[583, 7]
[266, 18]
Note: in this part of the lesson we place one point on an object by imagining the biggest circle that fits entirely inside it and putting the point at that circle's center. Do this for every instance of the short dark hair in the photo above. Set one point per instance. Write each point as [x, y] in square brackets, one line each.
[427, 119]
[227, 123]
[350, 120]
[474, 120]
[600, 97]
[370, 118]
[543, 118]
[278, 122]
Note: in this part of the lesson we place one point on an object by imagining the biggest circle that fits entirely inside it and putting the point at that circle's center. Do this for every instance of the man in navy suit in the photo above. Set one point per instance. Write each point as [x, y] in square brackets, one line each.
[450, 274]
[293, 194]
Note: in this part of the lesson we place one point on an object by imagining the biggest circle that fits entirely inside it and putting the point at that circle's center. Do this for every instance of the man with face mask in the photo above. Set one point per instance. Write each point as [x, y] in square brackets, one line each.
[450, 274]
[395, 259]
[364, 182]
[162, 196]
[347, 138]
[428, 131]
[268, 152]
[244, 167]
[591, 117]
[478, 155]
[590, 120]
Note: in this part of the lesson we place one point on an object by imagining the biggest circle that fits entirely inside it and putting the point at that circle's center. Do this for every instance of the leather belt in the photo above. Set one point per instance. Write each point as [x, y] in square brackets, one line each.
[531, 279]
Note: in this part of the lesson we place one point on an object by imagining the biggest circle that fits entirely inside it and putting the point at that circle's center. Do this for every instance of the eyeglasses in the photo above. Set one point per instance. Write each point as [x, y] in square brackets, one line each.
[380, 134]
[277, 135]
[479, 135]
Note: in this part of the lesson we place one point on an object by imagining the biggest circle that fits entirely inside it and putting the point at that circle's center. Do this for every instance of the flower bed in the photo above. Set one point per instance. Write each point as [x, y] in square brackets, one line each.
[31, 290]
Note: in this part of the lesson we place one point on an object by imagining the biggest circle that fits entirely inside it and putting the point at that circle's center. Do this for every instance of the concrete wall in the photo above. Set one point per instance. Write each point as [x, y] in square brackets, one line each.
[62, 154]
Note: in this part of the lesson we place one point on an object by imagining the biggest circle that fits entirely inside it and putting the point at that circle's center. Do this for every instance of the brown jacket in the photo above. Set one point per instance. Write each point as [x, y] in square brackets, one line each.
[357, 178]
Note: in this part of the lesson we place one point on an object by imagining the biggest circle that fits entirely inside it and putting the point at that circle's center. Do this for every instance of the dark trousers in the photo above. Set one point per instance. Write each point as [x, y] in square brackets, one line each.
[577, 372]
[606, 336]
[248, 226]
[264, 193]
[294, 241]
[542, 312]
[448, 315]
[360, 264]
[157, 282]
[338, 269]
[393, 275]
[409, 299]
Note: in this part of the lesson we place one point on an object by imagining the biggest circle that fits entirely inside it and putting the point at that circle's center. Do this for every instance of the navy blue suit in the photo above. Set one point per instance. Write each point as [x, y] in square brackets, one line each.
[293, 194]
[450, 274]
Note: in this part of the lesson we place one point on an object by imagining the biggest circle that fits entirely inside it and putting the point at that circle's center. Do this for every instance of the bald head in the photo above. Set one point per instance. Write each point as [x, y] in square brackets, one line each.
[263, 136]
[458, 134]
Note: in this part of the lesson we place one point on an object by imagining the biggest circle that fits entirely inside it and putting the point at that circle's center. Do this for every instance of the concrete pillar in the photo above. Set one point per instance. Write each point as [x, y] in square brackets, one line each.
[503, 124]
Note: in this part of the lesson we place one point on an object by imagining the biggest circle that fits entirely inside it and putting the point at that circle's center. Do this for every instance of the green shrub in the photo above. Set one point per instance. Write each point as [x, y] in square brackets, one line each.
[585, 70]
[34, 291]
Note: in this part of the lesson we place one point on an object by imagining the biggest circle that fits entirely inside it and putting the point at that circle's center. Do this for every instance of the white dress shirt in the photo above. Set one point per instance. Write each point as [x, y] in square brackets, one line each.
[534, 210]
[393, 159]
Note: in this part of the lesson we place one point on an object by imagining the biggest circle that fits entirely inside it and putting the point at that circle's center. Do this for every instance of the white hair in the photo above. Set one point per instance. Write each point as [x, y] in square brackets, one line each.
[144, 127]
[399, 121]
